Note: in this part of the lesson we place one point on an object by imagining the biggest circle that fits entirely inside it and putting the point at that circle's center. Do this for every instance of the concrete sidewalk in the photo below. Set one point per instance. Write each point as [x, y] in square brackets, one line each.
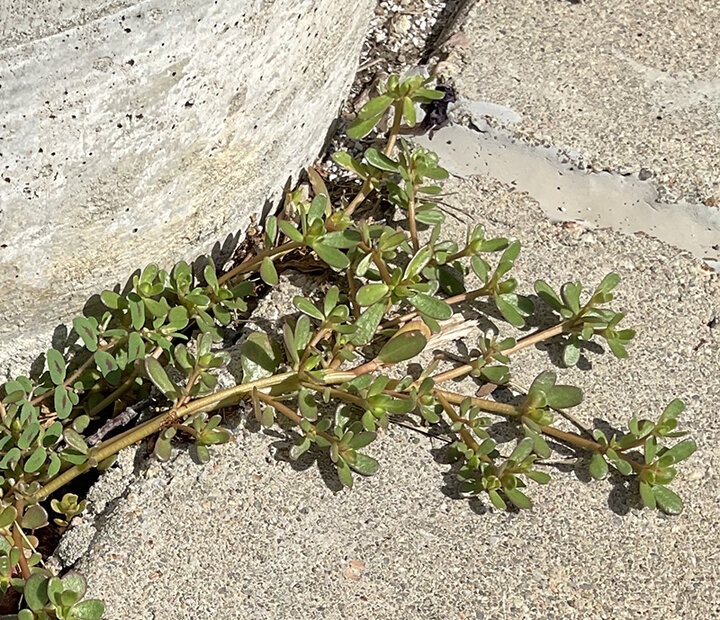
[251, 535]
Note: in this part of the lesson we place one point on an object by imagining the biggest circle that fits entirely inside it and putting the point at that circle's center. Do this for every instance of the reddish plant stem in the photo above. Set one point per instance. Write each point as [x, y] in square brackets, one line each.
[18, 539]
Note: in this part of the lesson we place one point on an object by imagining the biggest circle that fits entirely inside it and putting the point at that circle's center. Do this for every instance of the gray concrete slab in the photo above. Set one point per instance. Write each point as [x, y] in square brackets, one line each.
[137, 132]
[252, 536]
[619, 85]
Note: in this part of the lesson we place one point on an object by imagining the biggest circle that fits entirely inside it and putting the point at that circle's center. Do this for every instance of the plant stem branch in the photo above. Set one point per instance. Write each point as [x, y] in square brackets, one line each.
[90, 360]
[18, 539]
[224, 398]
[254, 263]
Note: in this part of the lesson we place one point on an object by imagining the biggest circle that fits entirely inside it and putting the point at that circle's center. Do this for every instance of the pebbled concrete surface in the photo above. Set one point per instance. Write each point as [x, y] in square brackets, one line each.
[136, 132]
[253, 536]
[621, 86]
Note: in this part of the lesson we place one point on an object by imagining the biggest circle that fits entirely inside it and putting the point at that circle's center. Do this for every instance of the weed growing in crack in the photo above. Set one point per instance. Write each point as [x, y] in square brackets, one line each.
[393, 296]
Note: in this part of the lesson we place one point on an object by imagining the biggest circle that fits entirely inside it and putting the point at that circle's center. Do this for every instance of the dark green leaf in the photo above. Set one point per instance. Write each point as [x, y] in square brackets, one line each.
[510, 313]
[306, 306]
[431, 306]
[137, 314]
[546, 293]
[259, 356]
[87, 331]
[518, 498]
[332, 256]
[380, 160]
[136, 347]
[647, 495]
[403, 347]
[56, 366]
[371, 293]
[159, 377]
[375, 106]
[105, 362]
[360, 128]
[562, 396]
[368, 323]
[668, 500]
[62, 402]
[598, 466]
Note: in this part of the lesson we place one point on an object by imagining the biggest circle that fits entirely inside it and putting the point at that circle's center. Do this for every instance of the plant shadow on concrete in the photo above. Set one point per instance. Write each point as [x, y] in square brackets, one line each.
[354, 357]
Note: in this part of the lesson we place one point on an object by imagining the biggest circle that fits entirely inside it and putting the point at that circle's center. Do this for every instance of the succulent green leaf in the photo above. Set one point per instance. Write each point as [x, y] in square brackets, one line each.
[74, 582]
[62, 402]
[518, 498]
[160, 378]
[35, 517]
[374, 107]
[293, 233]
[87, 330]
[364, 464]
[136, 347]
[268, 273]
[300, 448]
[344, 473]
[431, 306]
[548, 295]
[380, 160]
[360, 128]
[371, 293]
[36, 460]
[260, 357]
[7, 516]
[306, 306]
[609, 282]
[562, 396]
[403, 347]
[497, 501]
[540, 477]
[647, 495]
[105, 362]
[91, 609]
[409, 111]
[56, 366]
[367, 324]
[35, 592]
[598, 466]
[74, 440]
[571, 351]
[332, 256]
[522, 450]
[668, 500]
[679, 452]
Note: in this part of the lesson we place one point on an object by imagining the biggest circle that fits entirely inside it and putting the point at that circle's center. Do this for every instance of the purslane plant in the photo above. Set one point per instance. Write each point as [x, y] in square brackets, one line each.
[337, 370]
